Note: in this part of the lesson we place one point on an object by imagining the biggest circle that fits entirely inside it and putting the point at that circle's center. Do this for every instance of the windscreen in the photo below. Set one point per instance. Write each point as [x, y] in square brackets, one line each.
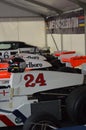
[8, 45]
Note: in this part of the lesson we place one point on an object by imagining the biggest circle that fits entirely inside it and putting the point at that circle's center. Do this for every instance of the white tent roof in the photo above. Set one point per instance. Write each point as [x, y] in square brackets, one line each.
[34, 8]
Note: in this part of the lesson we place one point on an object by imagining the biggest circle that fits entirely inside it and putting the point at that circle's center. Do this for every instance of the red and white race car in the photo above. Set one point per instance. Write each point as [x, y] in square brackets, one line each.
[19, 64]
[41, 97]
[36, 61]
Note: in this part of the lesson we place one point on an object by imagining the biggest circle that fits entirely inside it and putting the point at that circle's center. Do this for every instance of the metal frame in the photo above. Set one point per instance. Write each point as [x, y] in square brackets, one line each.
[22, 8]
[50, 8]
[82, 5]
[45, 6]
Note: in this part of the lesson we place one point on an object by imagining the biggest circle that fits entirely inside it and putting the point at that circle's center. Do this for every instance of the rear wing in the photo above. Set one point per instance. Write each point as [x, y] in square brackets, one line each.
[65, 55]
[75, 61]
[59, 53]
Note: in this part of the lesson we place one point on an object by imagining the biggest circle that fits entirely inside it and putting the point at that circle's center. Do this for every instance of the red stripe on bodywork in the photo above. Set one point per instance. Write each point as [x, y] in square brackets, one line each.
[6, 121]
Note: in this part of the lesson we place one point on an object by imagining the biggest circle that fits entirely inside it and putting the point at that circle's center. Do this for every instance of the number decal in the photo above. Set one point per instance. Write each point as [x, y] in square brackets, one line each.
[6, 55]
[29, 78]
[31, 81]
[40, 80]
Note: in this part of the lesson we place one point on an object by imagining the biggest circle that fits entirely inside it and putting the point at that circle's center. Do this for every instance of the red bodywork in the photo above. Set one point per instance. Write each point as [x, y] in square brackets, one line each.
[3, 70]
[75, 61]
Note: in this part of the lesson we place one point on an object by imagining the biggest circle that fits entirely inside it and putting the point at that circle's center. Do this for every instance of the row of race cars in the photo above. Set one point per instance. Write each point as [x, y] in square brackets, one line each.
[40, 90]
[27, 57]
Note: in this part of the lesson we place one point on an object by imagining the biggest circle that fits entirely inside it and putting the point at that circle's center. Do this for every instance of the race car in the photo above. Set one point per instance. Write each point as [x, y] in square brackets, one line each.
[42, 99]
[18, 64]
[25, 62]
[10, 48]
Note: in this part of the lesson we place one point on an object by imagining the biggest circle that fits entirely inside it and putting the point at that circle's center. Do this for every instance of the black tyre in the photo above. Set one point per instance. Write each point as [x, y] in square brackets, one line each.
[76, 105]
[41, 122]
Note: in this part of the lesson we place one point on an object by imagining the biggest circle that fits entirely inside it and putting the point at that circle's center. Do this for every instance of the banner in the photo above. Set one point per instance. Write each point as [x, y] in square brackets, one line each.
[71, 23]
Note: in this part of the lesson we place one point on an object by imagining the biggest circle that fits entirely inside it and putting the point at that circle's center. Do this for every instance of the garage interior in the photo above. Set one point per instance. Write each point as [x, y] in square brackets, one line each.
[59, 25]
[22, 19]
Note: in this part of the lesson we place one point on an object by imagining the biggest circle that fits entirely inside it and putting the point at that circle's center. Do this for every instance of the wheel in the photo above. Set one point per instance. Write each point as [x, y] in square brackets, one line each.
[41, 122]
[76, 105]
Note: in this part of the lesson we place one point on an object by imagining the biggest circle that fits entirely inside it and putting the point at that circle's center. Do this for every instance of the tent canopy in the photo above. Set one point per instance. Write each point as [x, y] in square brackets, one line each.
[38, 8]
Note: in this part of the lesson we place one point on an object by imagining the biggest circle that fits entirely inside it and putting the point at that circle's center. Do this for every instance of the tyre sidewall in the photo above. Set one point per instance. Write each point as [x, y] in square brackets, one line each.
[37, 118]
[74, 102]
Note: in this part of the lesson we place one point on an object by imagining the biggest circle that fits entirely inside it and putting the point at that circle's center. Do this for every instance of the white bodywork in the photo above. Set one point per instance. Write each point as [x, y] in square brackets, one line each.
[32, 61]
[14, 105]
[32, 56]
[37, 64]
[26, 83]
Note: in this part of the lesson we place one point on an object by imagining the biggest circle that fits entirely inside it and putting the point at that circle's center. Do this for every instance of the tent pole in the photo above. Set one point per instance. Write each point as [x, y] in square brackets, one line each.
[61, 40]
[85, 30]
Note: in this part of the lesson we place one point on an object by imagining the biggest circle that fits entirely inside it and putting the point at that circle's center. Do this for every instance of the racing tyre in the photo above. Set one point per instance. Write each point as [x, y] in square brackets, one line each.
[76, 105]
[41, 122]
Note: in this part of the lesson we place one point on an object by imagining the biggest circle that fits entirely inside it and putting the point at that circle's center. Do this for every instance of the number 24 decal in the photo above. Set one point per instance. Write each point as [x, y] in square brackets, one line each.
[32, 81]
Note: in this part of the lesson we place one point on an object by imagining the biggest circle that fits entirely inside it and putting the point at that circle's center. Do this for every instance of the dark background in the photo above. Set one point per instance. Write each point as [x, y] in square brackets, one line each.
[12, 128]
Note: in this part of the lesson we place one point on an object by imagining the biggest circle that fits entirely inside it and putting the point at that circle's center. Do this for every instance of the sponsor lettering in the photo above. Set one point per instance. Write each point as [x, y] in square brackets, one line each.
[30, 64]
[33, 57]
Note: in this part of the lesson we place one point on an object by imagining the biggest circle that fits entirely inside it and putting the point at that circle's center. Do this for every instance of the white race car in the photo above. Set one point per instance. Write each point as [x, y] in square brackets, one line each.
[10, 48]
[43, 99]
